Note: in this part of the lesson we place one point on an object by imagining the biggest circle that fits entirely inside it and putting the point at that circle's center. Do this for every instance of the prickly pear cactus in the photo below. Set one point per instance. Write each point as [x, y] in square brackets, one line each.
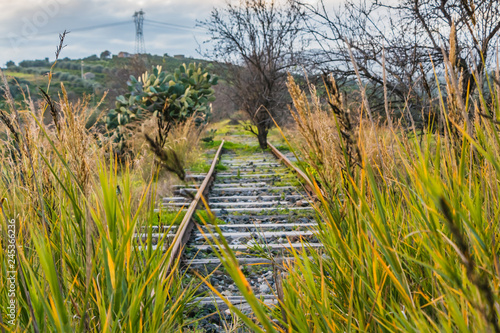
[173, 97]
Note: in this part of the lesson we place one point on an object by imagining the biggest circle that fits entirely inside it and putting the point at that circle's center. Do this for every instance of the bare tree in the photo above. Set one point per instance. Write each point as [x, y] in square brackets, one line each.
[414, 35]
[260, 40]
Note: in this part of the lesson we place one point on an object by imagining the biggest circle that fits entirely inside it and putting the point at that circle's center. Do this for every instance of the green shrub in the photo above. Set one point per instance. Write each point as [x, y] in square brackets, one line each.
[171, 98]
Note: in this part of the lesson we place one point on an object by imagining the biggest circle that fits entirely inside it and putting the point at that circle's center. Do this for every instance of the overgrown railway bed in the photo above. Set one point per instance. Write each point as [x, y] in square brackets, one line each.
[262, 208]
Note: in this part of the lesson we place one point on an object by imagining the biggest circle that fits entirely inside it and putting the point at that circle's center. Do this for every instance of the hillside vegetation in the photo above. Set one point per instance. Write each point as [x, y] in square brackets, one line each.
[110, 74]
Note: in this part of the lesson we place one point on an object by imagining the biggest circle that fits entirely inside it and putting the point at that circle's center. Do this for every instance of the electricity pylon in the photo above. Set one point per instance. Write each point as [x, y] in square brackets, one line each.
[140, 48]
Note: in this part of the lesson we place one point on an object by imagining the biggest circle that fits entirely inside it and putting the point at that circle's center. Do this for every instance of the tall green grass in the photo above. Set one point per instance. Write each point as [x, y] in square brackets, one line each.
[79, 267]
[410, 231]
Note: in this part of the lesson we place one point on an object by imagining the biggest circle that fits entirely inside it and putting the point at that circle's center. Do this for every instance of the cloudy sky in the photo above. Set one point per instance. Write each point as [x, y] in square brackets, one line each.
[29, 29]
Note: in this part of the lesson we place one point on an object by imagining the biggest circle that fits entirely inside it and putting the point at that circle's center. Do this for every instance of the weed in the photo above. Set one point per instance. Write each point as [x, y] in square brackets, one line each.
[410, 238]
[75, 218]
[221, 167]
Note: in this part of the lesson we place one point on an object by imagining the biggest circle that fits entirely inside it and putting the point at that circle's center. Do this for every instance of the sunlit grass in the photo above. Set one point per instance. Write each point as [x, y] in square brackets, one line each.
[78, 267]
[410, 235]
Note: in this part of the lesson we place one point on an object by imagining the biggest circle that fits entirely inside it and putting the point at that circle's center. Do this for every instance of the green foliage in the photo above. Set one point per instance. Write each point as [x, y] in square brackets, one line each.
[200, 166]
[169, 218]
[221, 167]
[210, 136]
[34, 63]
[108, 71]
[171, 97]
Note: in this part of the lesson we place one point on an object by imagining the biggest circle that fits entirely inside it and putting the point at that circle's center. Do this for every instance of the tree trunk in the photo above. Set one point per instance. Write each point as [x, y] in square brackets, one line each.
[262, 136]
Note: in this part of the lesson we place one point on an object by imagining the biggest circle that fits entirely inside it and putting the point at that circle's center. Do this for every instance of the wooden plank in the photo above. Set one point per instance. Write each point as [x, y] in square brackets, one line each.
[241, 189]
[261, 209]
[236, 204]
[257, 197]
[249, 203]
[252, 164]
[264, 234]
[251, 175]
[241, 184]
[255, 261]
[245, 247]
[261, 234]
[235, 300]
[242, 247]
[175, 199]
[266, 225]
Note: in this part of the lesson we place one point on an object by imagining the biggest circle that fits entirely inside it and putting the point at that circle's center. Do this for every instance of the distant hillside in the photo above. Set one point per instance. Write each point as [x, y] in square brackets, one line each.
[100, 75]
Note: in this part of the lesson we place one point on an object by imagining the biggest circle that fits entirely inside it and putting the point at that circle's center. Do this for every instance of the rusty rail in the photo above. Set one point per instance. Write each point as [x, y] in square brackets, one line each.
[184, 230]
[279, 155]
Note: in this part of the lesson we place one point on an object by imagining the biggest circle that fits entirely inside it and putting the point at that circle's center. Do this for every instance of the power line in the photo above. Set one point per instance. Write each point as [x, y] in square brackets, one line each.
[100, 26]
[93, 27]
[172, 25]
[139, 21]
[106, 25]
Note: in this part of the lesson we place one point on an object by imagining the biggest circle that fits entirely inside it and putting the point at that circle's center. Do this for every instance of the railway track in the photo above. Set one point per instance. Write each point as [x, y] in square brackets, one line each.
[262, 210]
